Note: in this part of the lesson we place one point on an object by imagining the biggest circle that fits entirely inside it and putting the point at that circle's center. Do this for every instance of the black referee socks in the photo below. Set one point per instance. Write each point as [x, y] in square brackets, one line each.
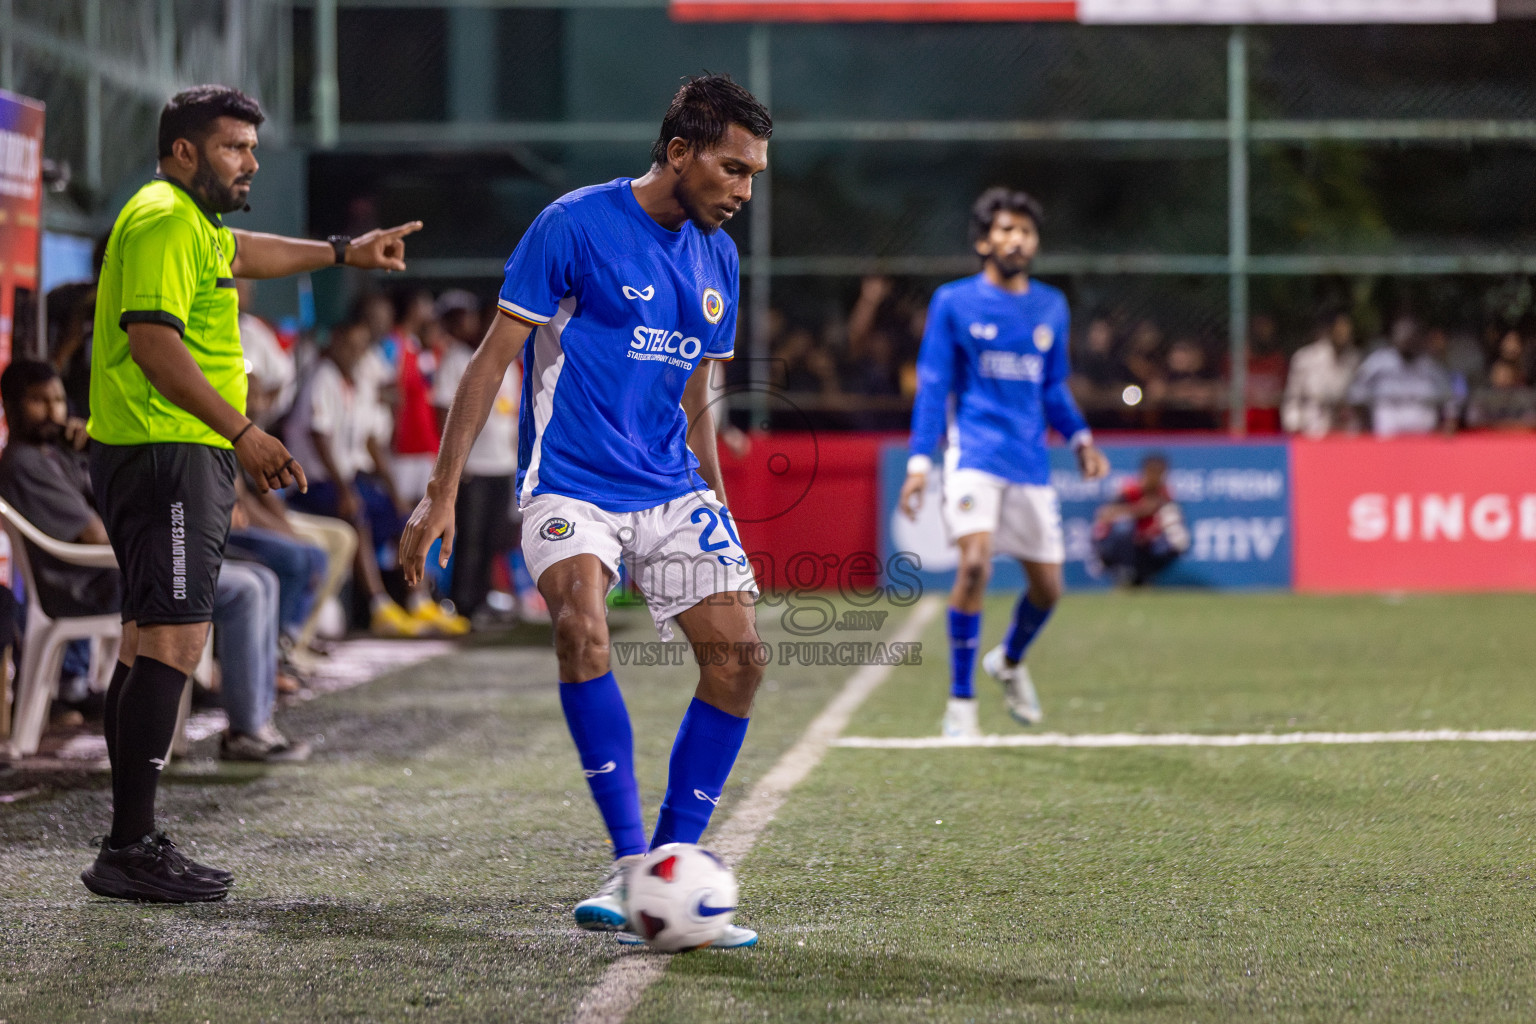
[145, 725]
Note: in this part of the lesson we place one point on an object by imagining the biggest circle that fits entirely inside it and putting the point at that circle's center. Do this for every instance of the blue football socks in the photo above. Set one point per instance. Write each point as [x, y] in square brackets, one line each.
[706, 748]
[1027, 623]
[599, 724]
[964, 635]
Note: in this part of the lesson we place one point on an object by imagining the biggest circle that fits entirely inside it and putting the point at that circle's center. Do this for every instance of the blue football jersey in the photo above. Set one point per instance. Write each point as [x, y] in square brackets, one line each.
[623, 311]
[993, 369]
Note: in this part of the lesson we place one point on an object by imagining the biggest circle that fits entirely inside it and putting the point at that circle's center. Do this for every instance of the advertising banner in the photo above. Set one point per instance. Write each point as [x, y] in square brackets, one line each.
[1235, 497]
[21, 205]
[1107, 12]
[1425, 514]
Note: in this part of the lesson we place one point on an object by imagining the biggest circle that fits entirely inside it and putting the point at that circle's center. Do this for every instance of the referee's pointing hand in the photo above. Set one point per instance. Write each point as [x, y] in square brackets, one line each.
[381, 248]
[266, 461]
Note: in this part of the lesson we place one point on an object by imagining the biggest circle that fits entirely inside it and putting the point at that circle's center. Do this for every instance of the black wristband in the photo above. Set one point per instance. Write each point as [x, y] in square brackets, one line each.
[340, 244]
[236, 439]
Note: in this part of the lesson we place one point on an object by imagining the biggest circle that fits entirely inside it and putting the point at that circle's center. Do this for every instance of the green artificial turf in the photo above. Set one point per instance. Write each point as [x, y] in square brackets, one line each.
[423, 866]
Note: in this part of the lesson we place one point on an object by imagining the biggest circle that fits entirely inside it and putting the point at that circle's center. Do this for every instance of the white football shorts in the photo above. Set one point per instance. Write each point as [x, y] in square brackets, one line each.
[678, 554]
[1023, 519]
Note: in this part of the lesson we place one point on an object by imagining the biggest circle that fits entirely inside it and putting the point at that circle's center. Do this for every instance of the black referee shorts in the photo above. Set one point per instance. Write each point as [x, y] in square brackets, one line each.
[166, 509]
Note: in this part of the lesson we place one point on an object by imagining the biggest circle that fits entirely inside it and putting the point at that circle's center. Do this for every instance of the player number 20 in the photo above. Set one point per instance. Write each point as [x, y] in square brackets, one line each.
[707, 541]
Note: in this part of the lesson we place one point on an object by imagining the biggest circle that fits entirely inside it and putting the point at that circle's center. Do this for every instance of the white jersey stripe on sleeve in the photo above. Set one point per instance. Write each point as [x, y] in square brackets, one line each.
[521, 313]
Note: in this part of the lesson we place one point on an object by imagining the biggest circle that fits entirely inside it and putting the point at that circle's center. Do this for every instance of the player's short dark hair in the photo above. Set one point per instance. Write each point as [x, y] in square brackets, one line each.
[999, 200]
[190, 113]
[21, 375]
[704, 110]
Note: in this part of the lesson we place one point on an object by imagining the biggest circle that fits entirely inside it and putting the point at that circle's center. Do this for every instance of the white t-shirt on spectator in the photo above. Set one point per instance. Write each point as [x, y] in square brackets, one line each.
[331, 405]
[1406, 396]
[1314, 389]
[271, 366]
[495, 450]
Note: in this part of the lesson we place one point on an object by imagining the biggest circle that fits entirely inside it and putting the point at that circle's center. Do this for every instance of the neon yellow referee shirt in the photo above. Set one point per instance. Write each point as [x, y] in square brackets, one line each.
[168, 261]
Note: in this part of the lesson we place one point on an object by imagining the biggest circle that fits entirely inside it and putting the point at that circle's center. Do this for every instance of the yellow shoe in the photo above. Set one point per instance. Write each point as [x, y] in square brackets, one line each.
[434, 618]
[390, 620]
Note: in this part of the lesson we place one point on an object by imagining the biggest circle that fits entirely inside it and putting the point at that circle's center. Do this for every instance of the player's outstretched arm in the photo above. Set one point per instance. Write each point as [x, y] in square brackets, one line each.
[169, 367]
[433, 517]
[261, 255]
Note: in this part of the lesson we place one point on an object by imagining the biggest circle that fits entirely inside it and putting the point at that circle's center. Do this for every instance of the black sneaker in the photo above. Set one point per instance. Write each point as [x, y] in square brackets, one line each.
[192, 867]
[150, 871]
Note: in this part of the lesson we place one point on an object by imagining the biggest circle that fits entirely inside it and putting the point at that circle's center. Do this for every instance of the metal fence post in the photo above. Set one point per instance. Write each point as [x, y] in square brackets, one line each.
[1237, 235]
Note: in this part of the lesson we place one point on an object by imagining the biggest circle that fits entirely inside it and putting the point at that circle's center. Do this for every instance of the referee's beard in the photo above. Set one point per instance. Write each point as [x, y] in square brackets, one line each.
[216, 195]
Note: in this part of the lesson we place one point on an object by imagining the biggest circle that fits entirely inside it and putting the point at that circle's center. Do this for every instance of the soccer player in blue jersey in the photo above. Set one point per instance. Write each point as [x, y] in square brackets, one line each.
[619, 296]
[993, 371]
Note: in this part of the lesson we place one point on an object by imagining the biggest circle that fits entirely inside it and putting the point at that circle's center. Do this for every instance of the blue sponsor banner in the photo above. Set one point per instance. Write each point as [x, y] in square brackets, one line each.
[1236, 499]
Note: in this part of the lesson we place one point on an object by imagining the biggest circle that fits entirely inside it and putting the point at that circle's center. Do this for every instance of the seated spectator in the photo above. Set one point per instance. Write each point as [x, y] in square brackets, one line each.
[1142, 532]
[1320, 376]
[333, 435]
[245, 635]
[272, 375]
[1401, 389]
[47, 482]
[259, 535]
[1504, 403]
[43, 475]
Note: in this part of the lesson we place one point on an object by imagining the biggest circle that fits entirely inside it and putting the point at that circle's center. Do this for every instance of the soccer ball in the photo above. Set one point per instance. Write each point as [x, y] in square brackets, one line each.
[681, 897]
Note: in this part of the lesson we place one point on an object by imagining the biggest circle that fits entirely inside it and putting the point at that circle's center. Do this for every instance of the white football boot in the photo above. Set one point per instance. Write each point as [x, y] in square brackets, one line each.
[960, 720]
[604, 911]
[1018, 689]
[735, 937]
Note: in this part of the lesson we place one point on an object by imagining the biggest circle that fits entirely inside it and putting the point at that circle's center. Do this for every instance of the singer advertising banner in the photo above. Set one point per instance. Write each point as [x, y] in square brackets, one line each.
[21, 205]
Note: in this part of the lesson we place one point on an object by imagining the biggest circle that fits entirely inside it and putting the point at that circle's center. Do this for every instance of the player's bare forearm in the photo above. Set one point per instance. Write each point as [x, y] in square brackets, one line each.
[701, 427]
[472, 402]
[162, 355]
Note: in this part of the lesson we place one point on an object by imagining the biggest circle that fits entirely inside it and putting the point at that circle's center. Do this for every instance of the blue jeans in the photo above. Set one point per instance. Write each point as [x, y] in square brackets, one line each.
[300, 570]
[245, 623]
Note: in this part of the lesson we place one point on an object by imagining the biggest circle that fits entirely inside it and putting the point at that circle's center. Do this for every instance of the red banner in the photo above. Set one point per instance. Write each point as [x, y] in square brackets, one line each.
[1431, 514]
[21, 205]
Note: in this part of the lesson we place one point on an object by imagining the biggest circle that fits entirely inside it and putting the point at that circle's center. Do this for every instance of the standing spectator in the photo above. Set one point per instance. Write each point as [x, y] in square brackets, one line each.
[1401, 388]
[1505, 402]
[1266, 376]
[71, 324]
[483, 509]
[1320, 376]
[1142, 532]
[1188, 390]
[416, 428]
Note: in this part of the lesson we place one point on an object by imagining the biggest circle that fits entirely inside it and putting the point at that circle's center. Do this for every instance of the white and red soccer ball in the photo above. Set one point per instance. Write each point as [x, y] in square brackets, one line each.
[681, 897]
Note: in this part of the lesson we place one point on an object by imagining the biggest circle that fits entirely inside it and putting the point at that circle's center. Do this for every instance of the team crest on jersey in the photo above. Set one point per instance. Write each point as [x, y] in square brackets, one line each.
[984, 332]
[1044, 338]
[557, 529]
[714, 305]
[967, 503]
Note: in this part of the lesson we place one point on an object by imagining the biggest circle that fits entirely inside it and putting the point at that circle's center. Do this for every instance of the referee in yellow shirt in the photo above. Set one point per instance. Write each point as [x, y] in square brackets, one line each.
[168, 428]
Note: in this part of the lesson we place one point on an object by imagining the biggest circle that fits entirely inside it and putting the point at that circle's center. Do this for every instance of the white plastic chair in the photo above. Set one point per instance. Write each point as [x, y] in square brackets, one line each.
[43, 639]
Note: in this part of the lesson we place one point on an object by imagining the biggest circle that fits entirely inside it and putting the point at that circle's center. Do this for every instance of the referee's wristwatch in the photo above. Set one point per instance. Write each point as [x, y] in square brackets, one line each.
[340, 244]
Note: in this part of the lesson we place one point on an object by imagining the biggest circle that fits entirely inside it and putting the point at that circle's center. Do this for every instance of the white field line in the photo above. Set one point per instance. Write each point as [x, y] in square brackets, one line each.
[1186, 739]
[619, 990]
